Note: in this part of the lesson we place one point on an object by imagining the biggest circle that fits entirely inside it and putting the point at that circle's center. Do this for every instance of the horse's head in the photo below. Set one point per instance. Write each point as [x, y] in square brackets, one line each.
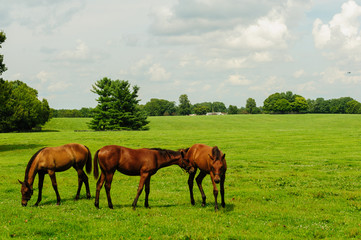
[218, 164]
[26, 192]
[184, 162]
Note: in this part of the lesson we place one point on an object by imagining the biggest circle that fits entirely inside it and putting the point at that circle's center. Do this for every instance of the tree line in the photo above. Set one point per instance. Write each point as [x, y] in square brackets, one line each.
[119, 109]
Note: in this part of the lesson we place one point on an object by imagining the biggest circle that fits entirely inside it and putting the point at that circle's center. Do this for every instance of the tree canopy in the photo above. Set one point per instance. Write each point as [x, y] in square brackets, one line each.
[20, 108]
[2, 65]
[285, 103]
[117, 107]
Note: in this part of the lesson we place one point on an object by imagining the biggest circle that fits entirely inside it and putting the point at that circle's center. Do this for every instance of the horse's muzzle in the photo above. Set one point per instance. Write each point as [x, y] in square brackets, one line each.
[217, 179]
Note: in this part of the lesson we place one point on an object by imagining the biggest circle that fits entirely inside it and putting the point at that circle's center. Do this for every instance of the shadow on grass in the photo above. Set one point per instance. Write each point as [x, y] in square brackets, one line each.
[62, 201]
[12, 147]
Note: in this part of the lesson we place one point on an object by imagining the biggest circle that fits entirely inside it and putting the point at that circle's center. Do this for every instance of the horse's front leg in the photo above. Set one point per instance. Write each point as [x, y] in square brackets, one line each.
[99, 187]
[215, 192]
[40, 186]
[190, 184]
[147, 190]
[199, 180]
[55, 185]
[143, 178]
[223, 178]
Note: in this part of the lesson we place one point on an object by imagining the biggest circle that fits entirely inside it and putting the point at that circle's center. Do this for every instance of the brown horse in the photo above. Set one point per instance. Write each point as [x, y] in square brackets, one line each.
[133, 162]
[209, 161]
[56, 159]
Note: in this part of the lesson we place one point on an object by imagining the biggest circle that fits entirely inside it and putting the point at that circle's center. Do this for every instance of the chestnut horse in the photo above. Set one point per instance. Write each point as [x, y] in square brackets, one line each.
[56, 159]
[209, 161]
[133, 162]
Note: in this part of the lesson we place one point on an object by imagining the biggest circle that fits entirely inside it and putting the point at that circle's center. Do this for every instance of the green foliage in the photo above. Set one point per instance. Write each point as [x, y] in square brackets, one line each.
[2, 65]
[73, 113]
[285, 103]
[353, 107]
[184, 107]
[117, 107]
[339, 105]
[232, 109]
[288, 177]
[251, 106]
[200, 110]
[160, 107]
[21, 110]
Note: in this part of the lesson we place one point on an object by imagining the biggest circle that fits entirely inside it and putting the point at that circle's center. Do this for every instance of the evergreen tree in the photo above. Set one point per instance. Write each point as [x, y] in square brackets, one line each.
[117, 107]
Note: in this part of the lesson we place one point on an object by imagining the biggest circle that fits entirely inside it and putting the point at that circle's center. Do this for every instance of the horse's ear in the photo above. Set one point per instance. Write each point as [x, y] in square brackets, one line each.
[223, 157]
[211, 157]
[20, 182]
[182, 153]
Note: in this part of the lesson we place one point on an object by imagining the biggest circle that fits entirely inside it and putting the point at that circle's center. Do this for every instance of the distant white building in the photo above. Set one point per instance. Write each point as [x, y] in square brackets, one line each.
[215, 113]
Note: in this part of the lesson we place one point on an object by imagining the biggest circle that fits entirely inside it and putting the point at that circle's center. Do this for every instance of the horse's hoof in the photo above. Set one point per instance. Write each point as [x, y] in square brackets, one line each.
[223, 205]
[193, 202]
[88, 196]
[96, 205]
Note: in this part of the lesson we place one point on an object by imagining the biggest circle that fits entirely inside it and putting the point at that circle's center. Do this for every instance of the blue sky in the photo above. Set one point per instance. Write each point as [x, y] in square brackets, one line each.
[211, 50]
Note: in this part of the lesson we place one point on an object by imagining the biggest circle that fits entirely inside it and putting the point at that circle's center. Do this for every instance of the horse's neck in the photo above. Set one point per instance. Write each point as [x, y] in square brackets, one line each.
[165, 162]
[30, 174]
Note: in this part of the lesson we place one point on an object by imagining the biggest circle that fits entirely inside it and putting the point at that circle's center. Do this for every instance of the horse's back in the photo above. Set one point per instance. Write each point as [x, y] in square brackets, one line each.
[126, 160]
[198, 154]
[62, 157]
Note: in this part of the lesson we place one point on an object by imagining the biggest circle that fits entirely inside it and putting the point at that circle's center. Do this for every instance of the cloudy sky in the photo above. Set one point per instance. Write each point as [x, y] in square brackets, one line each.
[211, 50]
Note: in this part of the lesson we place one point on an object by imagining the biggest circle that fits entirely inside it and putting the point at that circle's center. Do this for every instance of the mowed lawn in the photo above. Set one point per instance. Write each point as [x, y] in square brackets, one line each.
[289, 177]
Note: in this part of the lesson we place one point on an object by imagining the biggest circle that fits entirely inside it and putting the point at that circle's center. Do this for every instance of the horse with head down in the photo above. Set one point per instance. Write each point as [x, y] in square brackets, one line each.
[56, 159]
[209, 160]
[133, 162]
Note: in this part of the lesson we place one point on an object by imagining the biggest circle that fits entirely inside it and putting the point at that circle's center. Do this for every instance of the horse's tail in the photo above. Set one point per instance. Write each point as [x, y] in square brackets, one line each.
[95, 163]
[88, 166]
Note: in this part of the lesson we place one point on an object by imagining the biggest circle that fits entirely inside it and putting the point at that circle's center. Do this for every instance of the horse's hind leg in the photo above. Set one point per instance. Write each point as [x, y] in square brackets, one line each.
[99, 187]
[41, 181]
[108, 185]
[82, 177]
[190, 184]
[199, 180]
[143, 178]
[55, 185]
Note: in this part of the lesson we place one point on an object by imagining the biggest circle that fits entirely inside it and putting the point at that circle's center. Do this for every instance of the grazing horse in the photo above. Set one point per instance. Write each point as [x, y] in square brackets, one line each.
[209, 161]
[56, 159]
[133, 162]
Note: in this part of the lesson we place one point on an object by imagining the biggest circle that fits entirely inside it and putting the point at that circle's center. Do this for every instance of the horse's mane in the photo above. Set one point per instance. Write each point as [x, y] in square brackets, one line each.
[30, 163]
[216, 153]
[164, 152]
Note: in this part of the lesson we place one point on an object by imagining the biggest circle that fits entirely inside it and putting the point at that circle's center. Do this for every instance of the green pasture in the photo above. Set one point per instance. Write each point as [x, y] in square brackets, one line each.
[289, 177]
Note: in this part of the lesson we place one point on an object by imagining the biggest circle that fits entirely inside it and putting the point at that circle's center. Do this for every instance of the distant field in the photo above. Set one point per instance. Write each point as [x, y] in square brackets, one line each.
[289, 177]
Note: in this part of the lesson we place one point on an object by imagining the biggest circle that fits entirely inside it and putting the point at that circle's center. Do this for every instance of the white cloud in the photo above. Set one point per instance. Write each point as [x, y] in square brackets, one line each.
[59, 86]
[43, 76]
[238, 80]
[158, 73]
[342, 32]
[299, 73]
[81, 52]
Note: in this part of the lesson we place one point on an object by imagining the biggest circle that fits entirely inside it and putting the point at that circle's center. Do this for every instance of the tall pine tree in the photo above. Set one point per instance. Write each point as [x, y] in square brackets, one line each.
[117, 107]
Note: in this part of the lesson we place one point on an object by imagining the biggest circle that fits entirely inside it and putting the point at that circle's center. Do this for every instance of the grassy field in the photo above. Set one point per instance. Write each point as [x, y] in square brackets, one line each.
[289, 177]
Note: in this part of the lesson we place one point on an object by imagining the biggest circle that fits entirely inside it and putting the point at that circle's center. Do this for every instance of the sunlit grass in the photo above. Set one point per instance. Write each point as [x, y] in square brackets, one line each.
[289, 177]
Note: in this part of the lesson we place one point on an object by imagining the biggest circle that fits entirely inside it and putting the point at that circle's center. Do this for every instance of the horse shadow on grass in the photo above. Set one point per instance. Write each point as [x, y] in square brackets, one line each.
[12, 147]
